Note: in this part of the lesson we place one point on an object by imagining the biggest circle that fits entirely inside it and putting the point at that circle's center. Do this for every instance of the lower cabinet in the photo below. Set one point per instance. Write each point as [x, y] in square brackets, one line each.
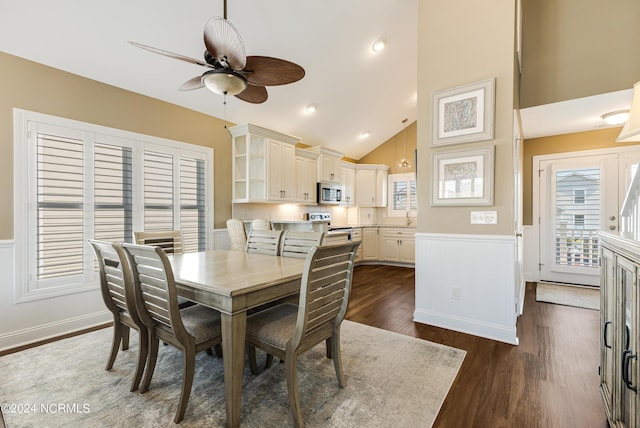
[398, 245]
[369, 243]
[619, 328]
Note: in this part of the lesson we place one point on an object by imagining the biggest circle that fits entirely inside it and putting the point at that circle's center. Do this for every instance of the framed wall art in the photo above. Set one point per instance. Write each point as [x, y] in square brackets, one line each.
[463, 114]
[463, 177]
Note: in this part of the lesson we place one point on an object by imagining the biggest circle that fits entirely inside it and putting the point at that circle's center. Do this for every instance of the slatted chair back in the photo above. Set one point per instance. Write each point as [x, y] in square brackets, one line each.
[237, 234]
[169, 240]
[264, 242]
[260, 224]
[155, 291]
[298, 244]
[324, 293]
[118, 296]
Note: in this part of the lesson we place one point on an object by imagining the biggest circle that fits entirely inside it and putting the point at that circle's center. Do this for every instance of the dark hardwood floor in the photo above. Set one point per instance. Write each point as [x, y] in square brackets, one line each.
[549, 380]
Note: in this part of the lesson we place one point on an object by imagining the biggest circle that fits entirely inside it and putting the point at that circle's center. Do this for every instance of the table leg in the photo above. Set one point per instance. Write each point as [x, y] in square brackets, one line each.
[233, 335]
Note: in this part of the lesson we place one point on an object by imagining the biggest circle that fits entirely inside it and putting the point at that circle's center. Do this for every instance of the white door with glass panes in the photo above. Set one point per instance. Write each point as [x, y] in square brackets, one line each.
[579, 195]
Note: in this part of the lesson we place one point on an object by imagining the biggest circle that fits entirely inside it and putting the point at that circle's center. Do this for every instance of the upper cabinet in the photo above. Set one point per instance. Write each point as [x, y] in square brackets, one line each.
[371, 185]
[263, 166]
[329, 164]
[306, 176]
[348, 174]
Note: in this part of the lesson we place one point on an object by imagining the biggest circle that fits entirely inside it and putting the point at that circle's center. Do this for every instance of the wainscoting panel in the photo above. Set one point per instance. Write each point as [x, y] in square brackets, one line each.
[28, 322]
[221, 239]
[467, 283]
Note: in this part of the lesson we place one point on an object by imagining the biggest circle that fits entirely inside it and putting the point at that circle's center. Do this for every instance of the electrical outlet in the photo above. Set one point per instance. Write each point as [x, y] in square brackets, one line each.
[455, 293]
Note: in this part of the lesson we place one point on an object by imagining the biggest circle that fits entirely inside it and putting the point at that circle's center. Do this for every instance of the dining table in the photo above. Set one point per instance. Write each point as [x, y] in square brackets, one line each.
[233, 282]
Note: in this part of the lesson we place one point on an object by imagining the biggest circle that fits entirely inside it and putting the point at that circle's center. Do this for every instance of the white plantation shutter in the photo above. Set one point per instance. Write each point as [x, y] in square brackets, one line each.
[192, 204]
[158, 191]
[60, 222]
[403, 195]
[113, 185]
[77, 181]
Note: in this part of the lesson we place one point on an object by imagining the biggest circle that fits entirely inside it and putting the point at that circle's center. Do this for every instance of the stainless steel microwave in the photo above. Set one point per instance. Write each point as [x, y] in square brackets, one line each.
[329, 193]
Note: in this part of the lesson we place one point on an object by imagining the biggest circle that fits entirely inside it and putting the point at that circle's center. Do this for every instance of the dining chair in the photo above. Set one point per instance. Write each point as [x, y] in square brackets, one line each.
[261, 224]
[118, 295]
[237, 234]
[298, 244]
[264, 242]
[169, 240]
[194, 329]
[288, 330]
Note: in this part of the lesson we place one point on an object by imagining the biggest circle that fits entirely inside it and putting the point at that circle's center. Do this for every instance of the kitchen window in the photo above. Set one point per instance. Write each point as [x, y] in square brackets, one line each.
[76, 181]
[402, 190]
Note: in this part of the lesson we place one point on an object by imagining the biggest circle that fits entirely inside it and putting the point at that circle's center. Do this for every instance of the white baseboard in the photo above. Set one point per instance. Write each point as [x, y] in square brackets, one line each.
[26, 336]
[468, 326]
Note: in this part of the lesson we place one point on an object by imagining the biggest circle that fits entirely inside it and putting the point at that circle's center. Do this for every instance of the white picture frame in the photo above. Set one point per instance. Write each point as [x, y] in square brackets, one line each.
[463, 114]
[463, 177]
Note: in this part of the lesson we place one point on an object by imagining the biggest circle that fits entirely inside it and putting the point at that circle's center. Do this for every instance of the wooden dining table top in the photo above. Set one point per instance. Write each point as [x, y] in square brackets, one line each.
[231, 273]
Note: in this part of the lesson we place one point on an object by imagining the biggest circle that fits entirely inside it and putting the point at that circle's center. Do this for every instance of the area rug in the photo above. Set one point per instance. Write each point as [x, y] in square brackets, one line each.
[569, 295]
[391, 380]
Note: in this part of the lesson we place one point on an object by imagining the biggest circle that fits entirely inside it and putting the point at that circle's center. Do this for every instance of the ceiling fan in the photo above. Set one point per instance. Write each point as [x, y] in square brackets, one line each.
[231, 71]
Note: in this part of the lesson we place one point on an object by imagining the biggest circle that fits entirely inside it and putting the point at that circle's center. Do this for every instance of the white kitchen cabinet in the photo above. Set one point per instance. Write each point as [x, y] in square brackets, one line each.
[397, 245]
[348, 175]
[369, 244]
[281, 170]
[619, 327]
[306, 176]
[329, 164]
[263, 165]
[371, 185]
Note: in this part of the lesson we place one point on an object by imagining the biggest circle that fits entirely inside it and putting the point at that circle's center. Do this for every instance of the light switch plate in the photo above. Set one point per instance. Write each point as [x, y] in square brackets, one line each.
[484, 217]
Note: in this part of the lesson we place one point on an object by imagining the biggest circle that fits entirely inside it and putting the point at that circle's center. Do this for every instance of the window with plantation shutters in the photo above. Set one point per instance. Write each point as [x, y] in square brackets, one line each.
[80, 181]
[402, 193]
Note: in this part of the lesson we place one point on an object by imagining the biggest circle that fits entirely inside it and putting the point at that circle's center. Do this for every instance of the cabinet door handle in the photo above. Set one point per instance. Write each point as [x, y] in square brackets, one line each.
[604, 334]
[627, 356]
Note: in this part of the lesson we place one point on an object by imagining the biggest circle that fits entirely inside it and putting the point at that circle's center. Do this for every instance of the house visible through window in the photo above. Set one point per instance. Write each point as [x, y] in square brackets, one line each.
[81, 181]
[579, 196]
[578, 220]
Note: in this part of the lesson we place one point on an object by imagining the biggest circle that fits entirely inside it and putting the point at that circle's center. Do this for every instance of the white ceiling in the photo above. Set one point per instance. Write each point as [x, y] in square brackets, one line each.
[354, 89]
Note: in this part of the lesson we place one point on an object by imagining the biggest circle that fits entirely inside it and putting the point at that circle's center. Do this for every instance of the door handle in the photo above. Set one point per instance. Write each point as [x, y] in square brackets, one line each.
[604, 334]
[627, 356]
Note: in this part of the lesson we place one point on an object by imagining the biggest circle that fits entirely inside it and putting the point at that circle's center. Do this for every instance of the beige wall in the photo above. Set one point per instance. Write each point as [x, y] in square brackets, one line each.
[31, 86]
[394, 149]
[577, 48]
[600, 139]
[483, 48]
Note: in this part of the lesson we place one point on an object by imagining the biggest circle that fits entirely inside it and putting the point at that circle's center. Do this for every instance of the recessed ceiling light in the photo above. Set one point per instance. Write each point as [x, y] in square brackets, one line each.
[365, 134]
[379, 45]
[616, 117]
[311, 108]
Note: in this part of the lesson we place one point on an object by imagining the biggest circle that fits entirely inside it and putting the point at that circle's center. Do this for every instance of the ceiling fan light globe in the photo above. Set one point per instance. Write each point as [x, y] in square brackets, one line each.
[224, 82]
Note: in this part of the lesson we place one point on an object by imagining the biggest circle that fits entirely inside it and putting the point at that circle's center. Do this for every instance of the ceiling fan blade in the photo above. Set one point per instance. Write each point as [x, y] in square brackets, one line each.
[191, 84]
[268, 71]
[171, 54]
[253, 94]
[223, 42]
